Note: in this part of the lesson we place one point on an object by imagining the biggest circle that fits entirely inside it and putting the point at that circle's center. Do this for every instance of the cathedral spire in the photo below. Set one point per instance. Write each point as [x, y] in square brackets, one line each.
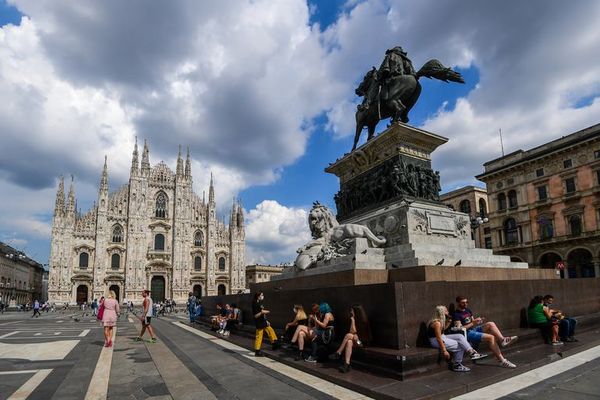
[233, 216]
[145, 159]
[211, 191]
[134, 160]
[71, 197]
[188, 164]
[59, 206]
[240, 214]
[104, 179]
[179, 163]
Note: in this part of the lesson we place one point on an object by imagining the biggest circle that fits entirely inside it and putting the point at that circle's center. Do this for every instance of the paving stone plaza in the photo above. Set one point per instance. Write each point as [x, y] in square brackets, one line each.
[60, 356]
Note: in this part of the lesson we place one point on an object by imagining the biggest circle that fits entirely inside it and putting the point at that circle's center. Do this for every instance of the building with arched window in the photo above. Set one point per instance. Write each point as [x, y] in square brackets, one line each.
[547, 211]
[21, 278]
[152, 233]
[473, 201]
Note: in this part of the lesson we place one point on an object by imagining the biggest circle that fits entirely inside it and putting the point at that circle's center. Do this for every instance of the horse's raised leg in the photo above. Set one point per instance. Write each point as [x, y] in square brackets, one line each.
[371, 129]
[357, 135]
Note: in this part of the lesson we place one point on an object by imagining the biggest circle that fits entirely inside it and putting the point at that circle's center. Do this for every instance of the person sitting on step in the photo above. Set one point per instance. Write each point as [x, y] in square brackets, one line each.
[540, 317]
[359, 328]
[566, 325]
[456, 343]
[478, 330]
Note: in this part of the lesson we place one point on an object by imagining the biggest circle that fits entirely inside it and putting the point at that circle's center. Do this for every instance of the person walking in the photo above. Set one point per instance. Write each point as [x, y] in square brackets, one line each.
[36, 309]
[95, 307]
[146, 317]
[262, 325]
[191, 307]
[109, 317]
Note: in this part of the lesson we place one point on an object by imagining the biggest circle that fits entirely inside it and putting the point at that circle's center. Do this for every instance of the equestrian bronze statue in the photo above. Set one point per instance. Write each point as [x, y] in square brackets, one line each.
[393, 90]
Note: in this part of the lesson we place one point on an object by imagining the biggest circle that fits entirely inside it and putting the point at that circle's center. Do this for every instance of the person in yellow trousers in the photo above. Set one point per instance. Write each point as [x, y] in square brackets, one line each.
[262, 325]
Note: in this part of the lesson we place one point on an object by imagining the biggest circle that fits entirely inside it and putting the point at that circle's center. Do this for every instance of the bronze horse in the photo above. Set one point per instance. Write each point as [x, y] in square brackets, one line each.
[403, 93]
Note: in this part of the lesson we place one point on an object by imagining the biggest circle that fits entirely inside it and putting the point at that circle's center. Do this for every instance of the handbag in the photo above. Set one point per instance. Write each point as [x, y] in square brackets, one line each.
[327, 335]
[100, 313]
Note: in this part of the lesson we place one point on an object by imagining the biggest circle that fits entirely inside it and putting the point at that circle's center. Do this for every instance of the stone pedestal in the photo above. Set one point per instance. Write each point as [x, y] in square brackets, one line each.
[388, 185]
[395, 165]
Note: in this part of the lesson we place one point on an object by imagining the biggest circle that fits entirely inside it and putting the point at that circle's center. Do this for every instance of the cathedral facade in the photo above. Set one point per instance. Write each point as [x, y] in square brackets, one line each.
[153, 233]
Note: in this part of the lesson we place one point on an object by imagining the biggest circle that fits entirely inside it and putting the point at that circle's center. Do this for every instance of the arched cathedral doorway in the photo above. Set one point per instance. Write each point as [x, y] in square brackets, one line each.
[157, 288]
[82, 294]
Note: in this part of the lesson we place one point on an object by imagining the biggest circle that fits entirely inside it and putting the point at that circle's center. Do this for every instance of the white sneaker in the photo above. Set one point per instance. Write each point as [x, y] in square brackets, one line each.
[507, 364]
[509, 340]
[477, 356]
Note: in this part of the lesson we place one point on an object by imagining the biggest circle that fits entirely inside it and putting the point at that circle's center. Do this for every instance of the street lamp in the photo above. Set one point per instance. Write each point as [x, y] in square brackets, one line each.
[476, 222]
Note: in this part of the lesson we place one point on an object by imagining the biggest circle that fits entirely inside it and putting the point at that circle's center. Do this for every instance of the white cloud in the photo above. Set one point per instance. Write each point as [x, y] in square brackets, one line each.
[274, 232]
[80, 80]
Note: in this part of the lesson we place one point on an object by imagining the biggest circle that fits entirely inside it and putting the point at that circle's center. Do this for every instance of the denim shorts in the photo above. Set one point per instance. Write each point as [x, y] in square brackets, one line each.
[474, 335]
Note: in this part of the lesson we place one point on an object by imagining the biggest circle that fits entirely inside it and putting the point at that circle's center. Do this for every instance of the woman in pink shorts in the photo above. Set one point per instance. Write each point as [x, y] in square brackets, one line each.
[109, 319]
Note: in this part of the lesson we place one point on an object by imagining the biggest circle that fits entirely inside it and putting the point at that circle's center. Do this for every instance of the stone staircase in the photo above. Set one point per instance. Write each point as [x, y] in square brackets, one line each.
[422, 254]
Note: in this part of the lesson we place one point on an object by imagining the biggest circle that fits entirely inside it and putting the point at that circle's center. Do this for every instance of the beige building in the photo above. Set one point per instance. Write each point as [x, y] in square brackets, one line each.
[545, 204]
[153, 233]
[20, 277]
[473, 201]
[261, 273]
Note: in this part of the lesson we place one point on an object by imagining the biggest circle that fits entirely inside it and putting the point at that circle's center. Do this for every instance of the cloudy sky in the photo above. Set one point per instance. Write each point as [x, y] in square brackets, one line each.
[263, 94]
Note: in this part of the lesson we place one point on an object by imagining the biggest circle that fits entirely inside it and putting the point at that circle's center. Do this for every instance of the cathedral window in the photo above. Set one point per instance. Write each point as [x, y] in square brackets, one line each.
[159, 242]
[115, 261]
[221, 263]
[198, 238]
[161, 205]
[117, 235]
[83, 260]
[197, 263]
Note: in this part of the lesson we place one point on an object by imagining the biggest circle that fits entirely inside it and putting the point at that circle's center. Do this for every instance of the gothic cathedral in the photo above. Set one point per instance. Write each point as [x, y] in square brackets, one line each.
[153, 233]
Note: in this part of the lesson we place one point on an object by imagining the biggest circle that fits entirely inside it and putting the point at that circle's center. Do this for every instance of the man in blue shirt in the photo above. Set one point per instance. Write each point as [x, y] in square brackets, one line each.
[478, 330]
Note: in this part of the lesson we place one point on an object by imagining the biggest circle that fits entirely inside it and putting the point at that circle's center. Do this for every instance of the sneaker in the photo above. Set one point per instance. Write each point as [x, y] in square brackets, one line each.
[573, 339]
[310, 359]
[258, 353]
[509, 340]
[137, 339]
[153, 340]
[477, 356]
[458, 367]
[557, 343]
[225, 333]
[220, 331]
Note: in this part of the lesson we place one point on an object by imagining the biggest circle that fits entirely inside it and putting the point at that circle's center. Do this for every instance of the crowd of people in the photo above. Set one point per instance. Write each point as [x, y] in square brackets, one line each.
[457, 332]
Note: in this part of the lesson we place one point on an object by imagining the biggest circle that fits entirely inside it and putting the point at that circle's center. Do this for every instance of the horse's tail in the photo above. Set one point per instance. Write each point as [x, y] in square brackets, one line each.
[435, 69]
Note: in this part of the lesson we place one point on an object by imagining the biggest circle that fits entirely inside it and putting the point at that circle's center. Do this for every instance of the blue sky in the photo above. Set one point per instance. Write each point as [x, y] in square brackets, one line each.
[264, 98]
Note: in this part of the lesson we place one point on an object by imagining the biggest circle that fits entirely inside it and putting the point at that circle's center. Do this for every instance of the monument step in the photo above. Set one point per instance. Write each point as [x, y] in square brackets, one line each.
[465, 262]
[439, 248]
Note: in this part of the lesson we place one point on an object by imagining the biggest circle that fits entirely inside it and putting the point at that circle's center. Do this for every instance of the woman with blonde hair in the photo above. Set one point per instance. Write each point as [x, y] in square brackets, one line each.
[109, 318]
[456, 344]
[300, 319]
